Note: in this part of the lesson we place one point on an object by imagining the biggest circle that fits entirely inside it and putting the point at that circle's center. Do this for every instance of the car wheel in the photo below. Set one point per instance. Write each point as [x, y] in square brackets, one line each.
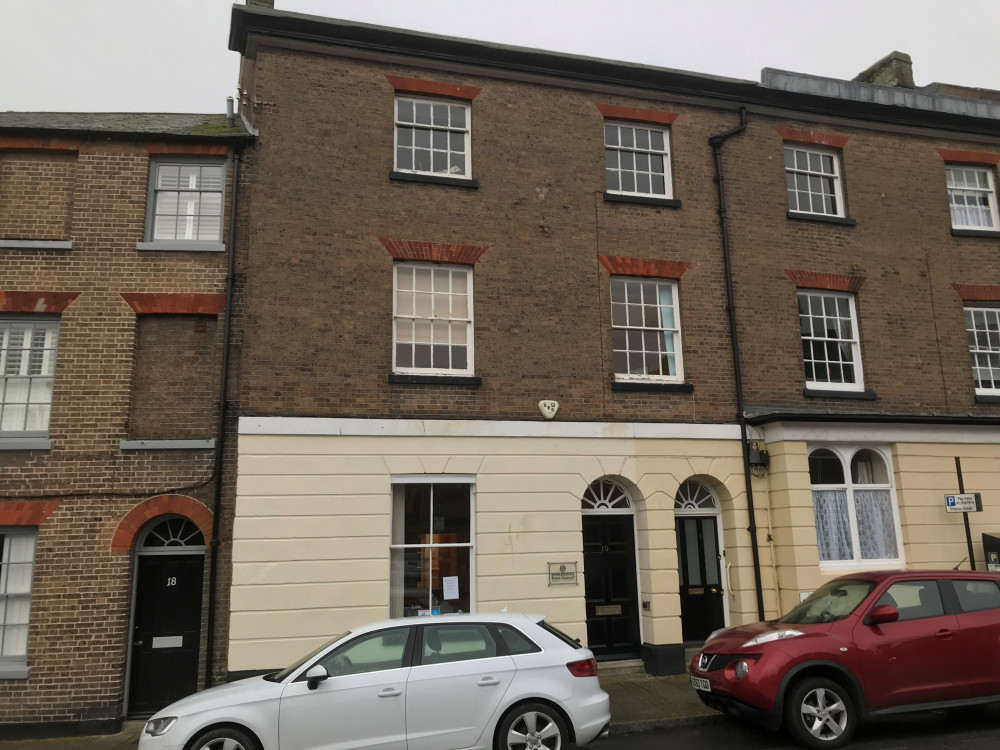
[226, 738]
[532, 726]
[820, 713]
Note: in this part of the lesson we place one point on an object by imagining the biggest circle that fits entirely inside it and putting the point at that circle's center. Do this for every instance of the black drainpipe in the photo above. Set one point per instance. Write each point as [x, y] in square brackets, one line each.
[220, 438]
[716, 142]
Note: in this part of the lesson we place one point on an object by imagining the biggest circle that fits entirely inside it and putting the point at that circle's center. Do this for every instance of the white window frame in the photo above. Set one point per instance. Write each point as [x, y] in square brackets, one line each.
[988, 349]
[50, 326]
[659, 330]
[14, 665]
[401, 481]
[208, 245]
[836, 176]
[846, 454]
[398, 317]
[989, 191]
[854, 342]
[619, 149]
[448, 129]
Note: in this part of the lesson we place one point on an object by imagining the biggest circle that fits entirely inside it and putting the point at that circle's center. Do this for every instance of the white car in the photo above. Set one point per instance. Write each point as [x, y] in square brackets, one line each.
[495, 682]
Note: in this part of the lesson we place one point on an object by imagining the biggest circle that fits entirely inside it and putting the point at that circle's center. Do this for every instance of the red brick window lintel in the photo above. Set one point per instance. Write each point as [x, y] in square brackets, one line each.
[632, 114]
[466, 255]
[658, 269]
[832, 282]
[433, 88]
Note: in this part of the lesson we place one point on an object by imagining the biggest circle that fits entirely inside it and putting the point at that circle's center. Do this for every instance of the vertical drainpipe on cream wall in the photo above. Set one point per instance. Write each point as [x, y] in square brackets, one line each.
[716, 142]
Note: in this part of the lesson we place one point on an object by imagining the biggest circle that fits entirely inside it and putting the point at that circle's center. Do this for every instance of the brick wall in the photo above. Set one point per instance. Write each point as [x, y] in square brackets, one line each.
[36, 195]
[320, 280]
[96, 197]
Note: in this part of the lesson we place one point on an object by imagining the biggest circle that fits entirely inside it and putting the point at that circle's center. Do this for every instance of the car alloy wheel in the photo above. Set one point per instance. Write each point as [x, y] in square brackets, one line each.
[532, 726]
[226, 739]
[820, 713]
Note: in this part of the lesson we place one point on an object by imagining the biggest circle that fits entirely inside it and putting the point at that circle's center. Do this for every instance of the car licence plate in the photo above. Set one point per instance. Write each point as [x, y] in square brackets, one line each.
[700, 683]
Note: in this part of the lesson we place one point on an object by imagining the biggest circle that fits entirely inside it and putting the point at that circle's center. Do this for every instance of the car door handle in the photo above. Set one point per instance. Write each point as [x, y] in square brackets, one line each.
[390, 693]
[944, 633]
[488, 682]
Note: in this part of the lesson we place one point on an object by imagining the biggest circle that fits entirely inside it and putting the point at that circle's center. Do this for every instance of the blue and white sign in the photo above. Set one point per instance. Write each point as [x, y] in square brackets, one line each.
[967, 503]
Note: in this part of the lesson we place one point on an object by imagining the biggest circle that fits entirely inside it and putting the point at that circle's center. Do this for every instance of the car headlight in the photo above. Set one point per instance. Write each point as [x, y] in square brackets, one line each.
[156, 727]
[774, 635]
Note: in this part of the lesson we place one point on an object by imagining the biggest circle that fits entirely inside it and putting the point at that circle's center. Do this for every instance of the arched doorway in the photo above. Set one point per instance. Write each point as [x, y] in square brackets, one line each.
[166, 618]
[697, 516]
[609, 565]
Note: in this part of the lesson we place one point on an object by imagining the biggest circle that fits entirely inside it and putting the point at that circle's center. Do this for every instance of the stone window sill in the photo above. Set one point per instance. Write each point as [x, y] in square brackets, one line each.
[854, 395]
[642, 199]
[435, 379]
[434, 179]
[180, 246]
[36, 244]
[650, 387]
[25, 444]
[822, 219]
[166, 445]
[14, 669]
[988, 234]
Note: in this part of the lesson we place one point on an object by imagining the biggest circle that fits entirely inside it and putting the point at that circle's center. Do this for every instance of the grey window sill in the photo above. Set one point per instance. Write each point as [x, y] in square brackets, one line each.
[166, 445]
[433, 179]
[983, 398]
[435, 379]
[822, 218]
[25, 444]
[984, 233]
[642, 199]
[180, 246]
[36, 244]
[14, 670]
[854, 395]
[651, 387]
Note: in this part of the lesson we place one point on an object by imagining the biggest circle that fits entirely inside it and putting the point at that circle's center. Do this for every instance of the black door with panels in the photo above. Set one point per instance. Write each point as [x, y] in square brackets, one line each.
[611, 588]
[702, 604]
[166, 631]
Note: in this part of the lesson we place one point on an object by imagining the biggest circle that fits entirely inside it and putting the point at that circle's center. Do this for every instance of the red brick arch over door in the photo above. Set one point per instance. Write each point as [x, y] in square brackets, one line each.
[181, 505]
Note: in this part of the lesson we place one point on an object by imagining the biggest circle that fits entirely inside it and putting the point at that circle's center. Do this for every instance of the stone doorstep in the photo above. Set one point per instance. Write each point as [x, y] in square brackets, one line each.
[614, 668]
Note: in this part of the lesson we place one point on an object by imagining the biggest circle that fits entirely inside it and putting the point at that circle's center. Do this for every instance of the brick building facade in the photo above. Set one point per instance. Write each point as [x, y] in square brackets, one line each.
[113, 269]
[451, 240]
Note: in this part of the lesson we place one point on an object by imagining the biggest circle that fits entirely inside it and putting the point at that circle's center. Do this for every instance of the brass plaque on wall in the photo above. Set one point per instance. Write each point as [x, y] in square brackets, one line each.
[608, 609]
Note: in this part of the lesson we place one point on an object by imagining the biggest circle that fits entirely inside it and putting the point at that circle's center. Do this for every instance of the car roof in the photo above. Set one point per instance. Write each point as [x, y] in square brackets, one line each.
[510, 618]
[881, 575]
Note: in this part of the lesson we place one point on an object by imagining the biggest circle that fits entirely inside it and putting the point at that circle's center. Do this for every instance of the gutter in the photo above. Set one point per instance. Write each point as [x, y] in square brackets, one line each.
[716, 142]
[220, 440]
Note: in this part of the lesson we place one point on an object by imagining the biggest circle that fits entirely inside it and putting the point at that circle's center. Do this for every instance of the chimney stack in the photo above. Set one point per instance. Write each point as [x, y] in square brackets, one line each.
[895, 69]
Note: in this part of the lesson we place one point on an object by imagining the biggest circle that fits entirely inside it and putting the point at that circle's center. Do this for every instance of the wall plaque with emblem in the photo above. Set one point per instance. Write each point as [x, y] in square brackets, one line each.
[562, 574]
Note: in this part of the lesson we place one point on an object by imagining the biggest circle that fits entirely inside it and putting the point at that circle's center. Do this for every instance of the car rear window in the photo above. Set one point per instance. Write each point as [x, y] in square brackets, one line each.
[571, 642]
[517, 642]
[975, 596]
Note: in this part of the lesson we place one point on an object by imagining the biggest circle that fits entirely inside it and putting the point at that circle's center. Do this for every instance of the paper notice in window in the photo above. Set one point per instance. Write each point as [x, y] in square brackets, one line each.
[450, 587]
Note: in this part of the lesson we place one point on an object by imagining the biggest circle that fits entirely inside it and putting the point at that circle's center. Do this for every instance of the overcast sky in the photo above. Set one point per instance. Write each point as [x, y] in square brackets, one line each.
[172, 55]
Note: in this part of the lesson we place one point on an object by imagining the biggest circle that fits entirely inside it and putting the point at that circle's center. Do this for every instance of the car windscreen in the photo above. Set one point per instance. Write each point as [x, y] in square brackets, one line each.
[287, 671]
[829, 603]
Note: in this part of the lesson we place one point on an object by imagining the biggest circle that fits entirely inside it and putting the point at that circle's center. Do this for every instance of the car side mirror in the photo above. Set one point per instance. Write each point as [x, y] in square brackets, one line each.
[315, 676]
[882, 614]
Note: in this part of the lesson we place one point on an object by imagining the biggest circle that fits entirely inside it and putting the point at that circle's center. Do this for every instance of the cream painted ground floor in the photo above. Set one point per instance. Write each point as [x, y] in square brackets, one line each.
[631, 537]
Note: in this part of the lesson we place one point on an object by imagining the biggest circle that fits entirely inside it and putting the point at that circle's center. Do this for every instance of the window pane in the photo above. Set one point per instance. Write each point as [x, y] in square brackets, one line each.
[833, 530]
[516, 641]
[915, 600]
[404, 110]
[876, 527]
[373, 652]
[411, 514]
[450, 643]
[975, 596]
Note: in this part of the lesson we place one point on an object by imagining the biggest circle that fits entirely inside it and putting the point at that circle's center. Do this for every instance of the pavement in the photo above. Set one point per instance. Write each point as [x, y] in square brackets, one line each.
[639, 703]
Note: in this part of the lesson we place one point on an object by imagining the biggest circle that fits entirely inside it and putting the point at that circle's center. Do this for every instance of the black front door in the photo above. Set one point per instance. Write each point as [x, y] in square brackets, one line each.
[611, 590]
[701, 583]
[167, 631]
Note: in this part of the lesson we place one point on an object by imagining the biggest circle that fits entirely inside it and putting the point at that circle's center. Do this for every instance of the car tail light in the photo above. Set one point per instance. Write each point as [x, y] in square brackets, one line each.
[583, 668]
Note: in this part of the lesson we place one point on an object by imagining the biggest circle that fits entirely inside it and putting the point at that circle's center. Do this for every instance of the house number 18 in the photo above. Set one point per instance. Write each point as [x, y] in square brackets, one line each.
[172, 581]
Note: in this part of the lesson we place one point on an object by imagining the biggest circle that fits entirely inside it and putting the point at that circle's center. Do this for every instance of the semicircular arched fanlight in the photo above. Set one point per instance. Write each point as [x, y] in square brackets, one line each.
[605, 494]
[174, 532]
[695, 495]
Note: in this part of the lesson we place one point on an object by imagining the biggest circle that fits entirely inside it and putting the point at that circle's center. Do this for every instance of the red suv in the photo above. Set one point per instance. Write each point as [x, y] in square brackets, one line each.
[863, 645]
